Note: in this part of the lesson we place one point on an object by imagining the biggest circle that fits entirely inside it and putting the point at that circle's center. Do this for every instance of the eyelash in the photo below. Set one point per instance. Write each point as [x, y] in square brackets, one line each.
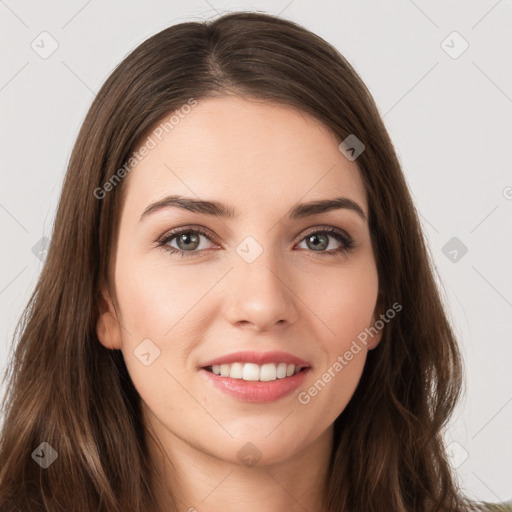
[346, 241]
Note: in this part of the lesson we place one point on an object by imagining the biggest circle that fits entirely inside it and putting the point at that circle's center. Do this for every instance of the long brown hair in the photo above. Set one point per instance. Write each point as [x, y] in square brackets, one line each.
[66, 389]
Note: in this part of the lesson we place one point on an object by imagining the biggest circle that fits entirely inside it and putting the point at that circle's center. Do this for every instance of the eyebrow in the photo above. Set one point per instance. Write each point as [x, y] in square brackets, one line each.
[217, 209]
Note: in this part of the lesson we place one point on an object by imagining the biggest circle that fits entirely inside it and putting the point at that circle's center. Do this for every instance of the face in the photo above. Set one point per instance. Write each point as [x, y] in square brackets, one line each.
[240, 328]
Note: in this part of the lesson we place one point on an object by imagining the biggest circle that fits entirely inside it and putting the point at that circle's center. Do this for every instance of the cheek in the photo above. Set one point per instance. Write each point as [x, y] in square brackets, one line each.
[154, 298]
[154, 311]
[169, 308]
[345, 305]
[344, 301]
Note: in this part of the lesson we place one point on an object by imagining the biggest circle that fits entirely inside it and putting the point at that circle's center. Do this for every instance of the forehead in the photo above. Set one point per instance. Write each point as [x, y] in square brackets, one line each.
[249, 152]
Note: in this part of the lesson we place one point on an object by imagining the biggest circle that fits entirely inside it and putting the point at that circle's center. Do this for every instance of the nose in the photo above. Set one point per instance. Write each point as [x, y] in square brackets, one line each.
[260, 294]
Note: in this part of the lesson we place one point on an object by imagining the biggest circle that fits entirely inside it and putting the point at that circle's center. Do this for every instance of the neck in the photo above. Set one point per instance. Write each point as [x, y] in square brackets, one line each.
[200, 482]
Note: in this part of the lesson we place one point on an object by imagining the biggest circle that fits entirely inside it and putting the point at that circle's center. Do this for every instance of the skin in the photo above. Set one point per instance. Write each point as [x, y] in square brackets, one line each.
[261, 159]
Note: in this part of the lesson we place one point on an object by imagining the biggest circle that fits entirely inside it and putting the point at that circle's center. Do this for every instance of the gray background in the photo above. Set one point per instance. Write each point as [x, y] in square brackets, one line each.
[450, 120]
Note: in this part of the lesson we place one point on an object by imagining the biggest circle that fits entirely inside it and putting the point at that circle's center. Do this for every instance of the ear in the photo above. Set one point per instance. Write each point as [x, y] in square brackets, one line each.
[376, 328]
[108, 328]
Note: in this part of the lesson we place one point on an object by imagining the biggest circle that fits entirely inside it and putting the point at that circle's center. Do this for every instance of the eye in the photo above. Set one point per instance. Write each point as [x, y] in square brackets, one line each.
[188, 241]
[318, 240]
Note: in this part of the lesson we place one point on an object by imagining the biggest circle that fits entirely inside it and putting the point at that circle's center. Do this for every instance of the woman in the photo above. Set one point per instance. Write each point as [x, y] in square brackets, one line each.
[295, 356]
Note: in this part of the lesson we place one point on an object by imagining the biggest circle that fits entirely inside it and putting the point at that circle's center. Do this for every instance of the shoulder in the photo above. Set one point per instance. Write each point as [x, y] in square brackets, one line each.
[500, 507]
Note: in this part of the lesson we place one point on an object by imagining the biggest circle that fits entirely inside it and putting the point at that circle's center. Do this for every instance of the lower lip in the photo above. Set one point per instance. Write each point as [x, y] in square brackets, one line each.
[257, 391]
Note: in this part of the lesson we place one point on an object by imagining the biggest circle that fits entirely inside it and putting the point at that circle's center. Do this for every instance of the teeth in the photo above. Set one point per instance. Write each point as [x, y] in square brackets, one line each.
[268, 372]
[237, 371]
[253, 372]
[281, 370]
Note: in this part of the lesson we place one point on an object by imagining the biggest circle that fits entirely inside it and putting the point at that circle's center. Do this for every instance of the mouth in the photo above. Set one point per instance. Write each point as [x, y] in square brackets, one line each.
[256, 376]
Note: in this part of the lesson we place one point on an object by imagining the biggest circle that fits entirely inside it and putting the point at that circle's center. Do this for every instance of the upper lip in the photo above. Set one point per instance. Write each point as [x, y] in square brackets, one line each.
[257, 357]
